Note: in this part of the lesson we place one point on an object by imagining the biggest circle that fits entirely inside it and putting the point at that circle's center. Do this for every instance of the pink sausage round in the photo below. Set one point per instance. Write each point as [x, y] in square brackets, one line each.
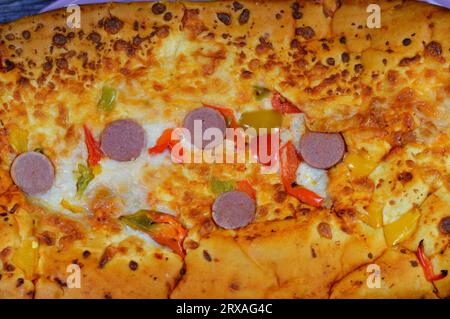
[33, 173]
[123, 140]
[233, 210]
[322, 150]
[209, 118]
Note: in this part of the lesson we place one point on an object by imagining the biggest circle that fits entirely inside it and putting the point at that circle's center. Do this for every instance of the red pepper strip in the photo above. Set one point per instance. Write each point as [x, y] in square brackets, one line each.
[306, 196]
[162, 143]
[427, 266]
[178, 157]
[95, 154]
[227, 113]
[282, 105]
[165, 141]
[176, 244]
[290, 161]
[246, 187]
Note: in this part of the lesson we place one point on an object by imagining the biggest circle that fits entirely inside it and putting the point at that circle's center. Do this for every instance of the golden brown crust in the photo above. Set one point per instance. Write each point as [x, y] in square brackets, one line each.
[401, 277]
[284, 259]
[387, 90]
[126, 270]
[18, 255]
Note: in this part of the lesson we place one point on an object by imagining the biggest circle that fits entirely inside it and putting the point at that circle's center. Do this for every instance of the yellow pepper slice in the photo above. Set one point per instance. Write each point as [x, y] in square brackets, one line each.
[71, 207]
[25, 257]
[261, 119]
[372, 215]
[402, 228]
[360, 164]
[18, 139]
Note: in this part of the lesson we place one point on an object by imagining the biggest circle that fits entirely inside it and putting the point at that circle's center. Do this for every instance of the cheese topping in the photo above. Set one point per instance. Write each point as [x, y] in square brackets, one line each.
[124, 179]
[313, 179]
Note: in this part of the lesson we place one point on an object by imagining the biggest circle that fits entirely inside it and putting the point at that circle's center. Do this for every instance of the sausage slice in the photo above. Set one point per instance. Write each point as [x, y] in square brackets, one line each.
[233, 210]
[123, 140]
[209, 118]
[33, 172]
[444, 225]
[322, 150]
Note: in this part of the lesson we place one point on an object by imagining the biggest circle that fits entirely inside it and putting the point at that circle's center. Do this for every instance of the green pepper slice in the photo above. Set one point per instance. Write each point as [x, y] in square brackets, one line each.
[84, 176]
[261, 92]
[218, 186]
[139, 220]
[161, 227]
[108, 99]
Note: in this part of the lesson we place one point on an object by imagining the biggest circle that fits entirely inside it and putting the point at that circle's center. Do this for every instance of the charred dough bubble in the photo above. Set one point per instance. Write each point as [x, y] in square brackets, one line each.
[33, 173]
[322, 150]
[209, 118]
[233, 210]
[123, 140]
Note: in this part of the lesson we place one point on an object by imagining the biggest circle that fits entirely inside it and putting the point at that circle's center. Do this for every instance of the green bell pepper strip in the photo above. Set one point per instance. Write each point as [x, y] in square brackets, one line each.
[108, 99]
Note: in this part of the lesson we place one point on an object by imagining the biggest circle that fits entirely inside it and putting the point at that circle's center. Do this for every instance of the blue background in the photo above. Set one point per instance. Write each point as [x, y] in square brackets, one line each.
[14, 9]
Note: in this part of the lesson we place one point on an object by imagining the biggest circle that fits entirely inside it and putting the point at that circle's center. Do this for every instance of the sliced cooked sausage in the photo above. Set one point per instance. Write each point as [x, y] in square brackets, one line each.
[209, 118]
[233, 210]
[33, 172]
[444, 225]
[123, 140]
[322, 150]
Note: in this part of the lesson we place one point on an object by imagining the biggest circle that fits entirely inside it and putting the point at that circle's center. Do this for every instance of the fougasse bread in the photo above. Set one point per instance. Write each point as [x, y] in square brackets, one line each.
[94, 203]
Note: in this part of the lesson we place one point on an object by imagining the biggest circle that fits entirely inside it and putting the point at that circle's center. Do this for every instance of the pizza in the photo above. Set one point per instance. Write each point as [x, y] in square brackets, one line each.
[113, 135]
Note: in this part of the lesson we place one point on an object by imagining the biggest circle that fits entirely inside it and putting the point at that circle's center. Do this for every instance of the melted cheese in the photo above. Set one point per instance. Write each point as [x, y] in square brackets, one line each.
[124, 179]
[293, 129]
[313, 179]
